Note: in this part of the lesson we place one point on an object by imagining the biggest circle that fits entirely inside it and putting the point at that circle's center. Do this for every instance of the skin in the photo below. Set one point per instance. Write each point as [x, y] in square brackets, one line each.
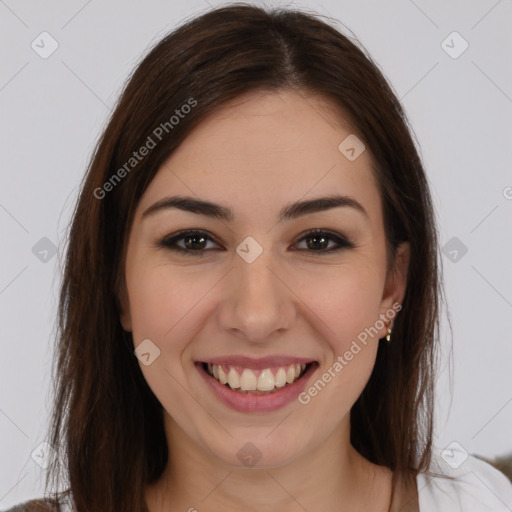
[257, 154]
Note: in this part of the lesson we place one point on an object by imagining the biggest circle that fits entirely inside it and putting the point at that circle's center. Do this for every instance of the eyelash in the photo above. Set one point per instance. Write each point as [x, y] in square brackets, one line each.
[169, 242]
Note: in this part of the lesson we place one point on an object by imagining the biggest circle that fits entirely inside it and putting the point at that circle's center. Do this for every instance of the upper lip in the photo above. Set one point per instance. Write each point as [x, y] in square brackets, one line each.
[257, 363]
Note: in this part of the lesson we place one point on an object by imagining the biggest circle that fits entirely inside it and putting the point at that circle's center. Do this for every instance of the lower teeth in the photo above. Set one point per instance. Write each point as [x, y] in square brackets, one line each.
[253, 391]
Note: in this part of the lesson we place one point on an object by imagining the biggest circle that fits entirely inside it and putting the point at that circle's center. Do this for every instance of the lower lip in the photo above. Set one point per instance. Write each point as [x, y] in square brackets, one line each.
[246, 402]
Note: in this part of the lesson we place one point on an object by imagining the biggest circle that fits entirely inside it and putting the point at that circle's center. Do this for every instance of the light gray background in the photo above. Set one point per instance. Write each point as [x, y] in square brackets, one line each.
[51, 113]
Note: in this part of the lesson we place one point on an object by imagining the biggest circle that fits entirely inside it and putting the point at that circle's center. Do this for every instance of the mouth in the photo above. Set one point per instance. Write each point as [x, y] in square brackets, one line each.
[253, 381]
[250, 386]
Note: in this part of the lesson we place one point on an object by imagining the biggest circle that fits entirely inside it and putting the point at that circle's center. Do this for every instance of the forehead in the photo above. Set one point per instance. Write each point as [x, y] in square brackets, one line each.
[267, 148]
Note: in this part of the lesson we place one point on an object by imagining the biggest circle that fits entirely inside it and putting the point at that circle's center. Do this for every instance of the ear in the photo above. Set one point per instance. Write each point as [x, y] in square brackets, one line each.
[124, 307]
[396, 283]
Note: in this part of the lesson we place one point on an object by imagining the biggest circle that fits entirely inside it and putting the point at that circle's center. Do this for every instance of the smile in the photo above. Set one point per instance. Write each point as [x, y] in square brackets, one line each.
[263, 385]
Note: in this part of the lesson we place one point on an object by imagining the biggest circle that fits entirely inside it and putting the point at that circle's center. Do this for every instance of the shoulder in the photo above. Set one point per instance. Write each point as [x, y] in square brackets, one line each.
[63, 502]
[472, 484]
[36, 505]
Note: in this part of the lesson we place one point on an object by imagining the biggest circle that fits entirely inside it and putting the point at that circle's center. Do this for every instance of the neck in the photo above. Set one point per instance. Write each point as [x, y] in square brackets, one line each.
[331, 476]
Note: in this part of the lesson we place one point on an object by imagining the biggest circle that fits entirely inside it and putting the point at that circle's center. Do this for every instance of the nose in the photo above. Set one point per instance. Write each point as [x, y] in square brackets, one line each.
[257, 301]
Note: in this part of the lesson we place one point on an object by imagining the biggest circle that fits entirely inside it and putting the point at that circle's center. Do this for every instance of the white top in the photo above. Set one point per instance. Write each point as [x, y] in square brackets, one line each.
[479, 487]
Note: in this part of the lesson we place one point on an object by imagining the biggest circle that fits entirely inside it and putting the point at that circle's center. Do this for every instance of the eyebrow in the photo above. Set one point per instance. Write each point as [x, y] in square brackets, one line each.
[288, 212]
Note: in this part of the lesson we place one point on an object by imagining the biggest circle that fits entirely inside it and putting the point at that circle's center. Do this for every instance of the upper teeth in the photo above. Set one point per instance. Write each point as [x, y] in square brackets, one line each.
[248, 380]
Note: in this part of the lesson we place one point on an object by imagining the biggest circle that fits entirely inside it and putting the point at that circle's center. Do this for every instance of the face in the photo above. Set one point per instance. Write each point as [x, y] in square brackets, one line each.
[255, 294]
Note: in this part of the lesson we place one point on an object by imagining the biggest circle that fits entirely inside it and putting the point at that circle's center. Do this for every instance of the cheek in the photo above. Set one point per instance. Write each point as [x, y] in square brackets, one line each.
[345, 302]
[346, 308]
[165, 303]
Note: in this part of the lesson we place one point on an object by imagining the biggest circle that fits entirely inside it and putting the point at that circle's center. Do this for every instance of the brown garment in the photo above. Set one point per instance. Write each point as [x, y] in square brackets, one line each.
[36, 505]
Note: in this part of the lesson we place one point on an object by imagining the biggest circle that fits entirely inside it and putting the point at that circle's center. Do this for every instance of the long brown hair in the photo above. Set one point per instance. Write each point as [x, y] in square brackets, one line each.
[106, 423]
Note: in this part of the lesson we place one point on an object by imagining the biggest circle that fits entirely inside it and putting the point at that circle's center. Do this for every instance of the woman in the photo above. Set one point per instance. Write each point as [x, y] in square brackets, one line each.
[249, 313]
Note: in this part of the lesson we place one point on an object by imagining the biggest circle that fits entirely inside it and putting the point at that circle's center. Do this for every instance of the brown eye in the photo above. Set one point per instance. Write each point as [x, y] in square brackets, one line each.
[187, 242]
[318, 241]
[194, 242]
